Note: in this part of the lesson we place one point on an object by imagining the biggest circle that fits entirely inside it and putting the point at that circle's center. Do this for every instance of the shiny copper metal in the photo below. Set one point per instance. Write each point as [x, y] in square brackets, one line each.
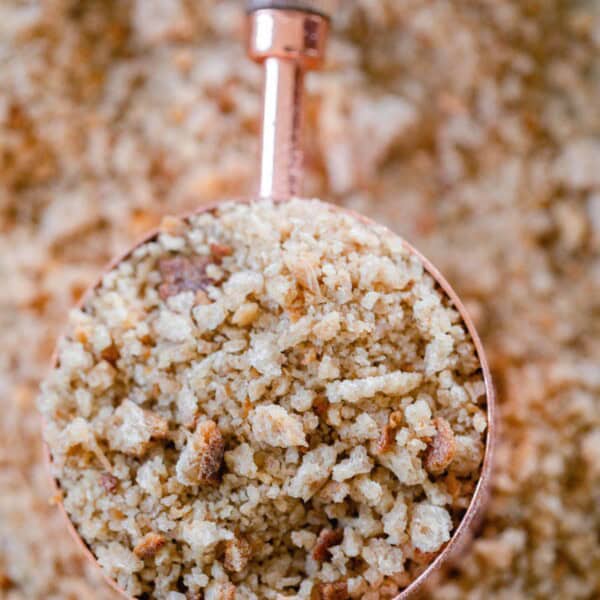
[325, 8]
[288, 43]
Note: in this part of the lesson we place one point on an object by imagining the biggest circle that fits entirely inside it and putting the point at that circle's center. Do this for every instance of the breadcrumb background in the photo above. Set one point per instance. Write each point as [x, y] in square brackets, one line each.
[470, 127]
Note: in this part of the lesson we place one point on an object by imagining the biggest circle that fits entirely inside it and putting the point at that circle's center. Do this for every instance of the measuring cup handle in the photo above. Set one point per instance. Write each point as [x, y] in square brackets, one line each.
[288, 43]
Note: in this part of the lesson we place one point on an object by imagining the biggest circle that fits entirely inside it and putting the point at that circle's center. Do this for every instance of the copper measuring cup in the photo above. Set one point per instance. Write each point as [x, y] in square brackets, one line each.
[288, 37]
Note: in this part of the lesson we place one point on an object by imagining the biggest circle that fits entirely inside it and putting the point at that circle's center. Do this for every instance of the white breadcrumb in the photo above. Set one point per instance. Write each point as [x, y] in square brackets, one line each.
[131, 429]
[355, 390]
[273, 425]
[430, 527]
[357, 463]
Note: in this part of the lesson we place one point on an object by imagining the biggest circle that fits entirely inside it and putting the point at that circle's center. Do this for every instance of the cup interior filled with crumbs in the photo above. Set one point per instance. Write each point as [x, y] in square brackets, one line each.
[267, 401]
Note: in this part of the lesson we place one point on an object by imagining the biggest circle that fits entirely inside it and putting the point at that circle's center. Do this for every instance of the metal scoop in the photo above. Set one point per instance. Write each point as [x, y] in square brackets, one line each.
[288, 37]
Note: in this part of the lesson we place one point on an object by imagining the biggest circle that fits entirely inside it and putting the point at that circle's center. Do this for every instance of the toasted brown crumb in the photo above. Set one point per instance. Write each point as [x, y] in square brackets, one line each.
[149, 545]
[183, 274]
[110, 354]
[441, 450]
[5, 581]
[201, 460]
[109, 482]
[237, 555]
[334, 591]
[221, 250]
[320, 406]
[326, 539]
[227, 592]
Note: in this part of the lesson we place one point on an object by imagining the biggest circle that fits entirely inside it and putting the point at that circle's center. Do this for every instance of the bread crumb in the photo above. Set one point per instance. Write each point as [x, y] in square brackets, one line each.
[237, 555]
[273, 425]
[315, 469]
[132, 429]
[326, 539]
[149, 545]
[430, 527]
[355, 390]
[328, 327]
[440, 452]
[200, 461]
[358, 462]
[334, 591]
[183, 274]
[109, 482]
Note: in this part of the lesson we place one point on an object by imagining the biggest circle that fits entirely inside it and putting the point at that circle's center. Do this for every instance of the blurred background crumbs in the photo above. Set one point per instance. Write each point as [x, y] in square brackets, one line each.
[470, 127]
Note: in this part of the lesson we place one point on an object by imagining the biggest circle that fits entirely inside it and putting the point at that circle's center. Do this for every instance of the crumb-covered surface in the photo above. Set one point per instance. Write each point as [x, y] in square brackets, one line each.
[229, 385]
[468, 127]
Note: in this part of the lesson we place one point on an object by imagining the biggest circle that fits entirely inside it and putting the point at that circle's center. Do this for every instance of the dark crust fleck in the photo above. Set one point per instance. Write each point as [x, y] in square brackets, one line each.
[183, 274]
[326, 539]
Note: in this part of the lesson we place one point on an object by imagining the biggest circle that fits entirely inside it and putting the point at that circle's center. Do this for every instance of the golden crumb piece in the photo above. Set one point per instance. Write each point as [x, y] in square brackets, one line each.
[246, 314]
[237, 554]
[110, 354]
[149, 545]
[221, 250]
[441, 450]
[327, 538]
[395, 419]
[201, 459]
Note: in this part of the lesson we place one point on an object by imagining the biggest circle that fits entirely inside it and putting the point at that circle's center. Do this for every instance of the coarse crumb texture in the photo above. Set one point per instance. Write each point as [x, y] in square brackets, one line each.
[263, 401]
[469, 127]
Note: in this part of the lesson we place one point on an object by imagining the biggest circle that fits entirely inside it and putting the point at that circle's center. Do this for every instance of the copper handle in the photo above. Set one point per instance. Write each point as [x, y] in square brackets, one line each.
[287, 43]
[325, 8]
